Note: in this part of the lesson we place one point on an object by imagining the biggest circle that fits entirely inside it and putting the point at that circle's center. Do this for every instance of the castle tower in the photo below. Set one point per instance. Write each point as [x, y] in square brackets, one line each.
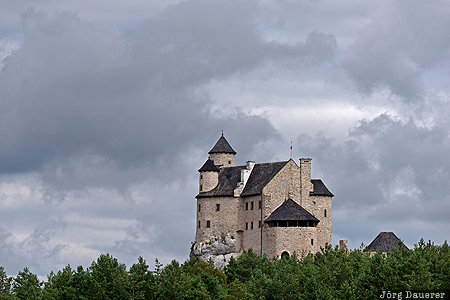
[209, 176]
[222, 154]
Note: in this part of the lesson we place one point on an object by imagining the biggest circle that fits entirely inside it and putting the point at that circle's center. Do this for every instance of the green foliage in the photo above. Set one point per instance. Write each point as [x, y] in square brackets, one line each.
[27, 286]
[5, 286]
[329, 274]
[109, 278]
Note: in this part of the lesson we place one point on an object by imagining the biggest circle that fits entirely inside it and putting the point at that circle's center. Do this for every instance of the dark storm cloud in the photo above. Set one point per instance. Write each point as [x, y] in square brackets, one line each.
[387, 174]
[73, 87]
[103, 129]
[108, 128]
[398, 45]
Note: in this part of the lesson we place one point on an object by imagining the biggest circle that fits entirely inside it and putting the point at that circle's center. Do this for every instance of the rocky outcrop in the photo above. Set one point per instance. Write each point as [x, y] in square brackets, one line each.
[218, 249]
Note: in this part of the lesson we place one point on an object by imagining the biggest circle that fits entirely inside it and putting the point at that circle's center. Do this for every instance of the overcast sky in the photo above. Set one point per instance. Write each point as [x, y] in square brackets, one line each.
[108, 109]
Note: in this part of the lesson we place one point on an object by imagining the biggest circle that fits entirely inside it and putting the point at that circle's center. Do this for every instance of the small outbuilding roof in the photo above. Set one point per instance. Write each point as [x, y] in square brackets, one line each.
[209, 166]
[291, 211]
[386, 242]
[222, 146]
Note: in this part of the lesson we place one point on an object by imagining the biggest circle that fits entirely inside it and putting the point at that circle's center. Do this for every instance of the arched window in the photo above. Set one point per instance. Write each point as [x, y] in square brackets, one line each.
[325, 212]
[285, 254]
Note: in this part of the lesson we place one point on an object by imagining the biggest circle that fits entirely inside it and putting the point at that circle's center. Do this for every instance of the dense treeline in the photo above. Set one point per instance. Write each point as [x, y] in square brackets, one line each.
[330, 274]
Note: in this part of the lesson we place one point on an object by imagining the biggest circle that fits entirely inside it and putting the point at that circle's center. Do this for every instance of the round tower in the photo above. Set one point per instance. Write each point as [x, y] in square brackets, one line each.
[222, 154]
[209, 176]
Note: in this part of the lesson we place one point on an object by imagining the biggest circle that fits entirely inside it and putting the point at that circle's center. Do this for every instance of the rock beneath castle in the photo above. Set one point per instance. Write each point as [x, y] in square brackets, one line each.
[218, 249]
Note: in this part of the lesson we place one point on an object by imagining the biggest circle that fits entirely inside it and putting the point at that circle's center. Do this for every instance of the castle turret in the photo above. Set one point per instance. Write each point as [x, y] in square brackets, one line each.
[209, 176]
[222, 154]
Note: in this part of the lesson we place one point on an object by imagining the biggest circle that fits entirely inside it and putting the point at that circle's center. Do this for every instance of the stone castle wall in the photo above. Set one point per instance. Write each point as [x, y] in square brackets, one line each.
[223, 159]
[286, 184]
[251, 235]
[316, 205]
[276, 240]
[222, 221]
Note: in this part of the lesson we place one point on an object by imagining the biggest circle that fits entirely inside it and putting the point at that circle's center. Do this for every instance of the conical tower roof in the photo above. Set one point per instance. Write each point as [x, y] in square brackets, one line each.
[222, 146]
[209, 166]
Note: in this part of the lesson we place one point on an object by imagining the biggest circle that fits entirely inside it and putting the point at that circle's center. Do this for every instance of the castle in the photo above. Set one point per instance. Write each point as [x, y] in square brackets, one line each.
[274, 208]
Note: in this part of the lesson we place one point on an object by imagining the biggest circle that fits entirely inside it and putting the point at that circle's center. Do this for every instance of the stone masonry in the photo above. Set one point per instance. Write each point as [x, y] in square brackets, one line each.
[271, 208]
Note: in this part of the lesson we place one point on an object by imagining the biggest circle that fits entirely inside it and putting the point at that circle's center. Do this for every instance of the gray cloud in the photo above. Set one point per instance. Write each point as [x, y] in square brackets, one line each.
[398, 46]
[97, 120]
[104, 124]
[387, 174]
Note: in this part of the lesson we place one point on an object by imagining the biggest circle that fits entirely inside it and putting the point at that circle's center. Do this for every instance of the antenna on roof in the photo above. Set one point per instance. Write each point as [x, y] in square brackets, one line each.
[222, 132]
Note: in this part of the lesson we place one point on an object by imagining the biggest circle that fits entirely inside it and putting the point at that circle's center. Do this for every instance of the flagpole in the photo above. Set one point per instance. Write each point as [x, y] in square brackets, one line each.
[291, 149]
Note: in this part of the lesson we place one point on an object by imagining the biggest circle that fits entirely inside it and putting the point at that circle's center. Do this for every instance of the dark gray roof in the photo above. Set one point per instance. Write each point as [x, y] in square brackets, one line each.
[320, 189]
[385, 241]
[291, 211]
[209, 166]
[222, 146]
[261, 175]
[228, 180]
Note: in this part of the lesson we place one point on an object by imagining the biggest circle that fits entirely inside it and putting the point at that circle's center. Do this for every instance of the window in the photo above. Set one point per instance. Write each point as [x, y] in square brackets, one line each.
[312, 242]
[252, 205]
[201, 187]
[198, 224]
[259, 204]
[201, 176]
[208, 224]
[259, 224]
[251, 226]
[246, 205]
[199, 207]
[325, 213]
[246, 226]
[217, 207]
[229, 162]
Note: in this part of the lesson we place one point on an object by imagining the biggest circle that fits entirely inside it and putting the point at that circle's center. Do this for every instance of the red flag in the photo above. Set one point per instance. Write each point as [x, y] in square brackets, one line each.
[291, 147]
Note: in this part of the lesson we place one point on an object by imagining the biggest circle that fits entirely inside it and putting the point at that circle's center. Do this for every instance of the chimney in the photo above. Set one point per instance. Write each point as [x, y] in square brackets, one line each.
[245, 173]
[306, 185]
[343, 244]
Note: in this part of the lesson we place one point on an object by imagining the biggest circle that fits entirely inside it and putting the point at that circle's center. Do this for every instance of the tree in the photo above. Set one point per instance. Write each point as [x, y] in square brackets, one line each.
[5, 286]
[109, 278]
[143, 282]
[27, 286]
[60, 285]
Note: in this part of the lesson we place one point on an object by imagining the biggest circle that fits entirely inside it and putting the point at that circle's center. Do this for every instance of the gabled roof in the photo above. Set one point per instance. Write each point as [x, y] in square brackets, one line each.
[209, 166]
[222, 146]
[385, 241]
[229, 178]
[261, 175]
[320, 189]
[291, 211]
